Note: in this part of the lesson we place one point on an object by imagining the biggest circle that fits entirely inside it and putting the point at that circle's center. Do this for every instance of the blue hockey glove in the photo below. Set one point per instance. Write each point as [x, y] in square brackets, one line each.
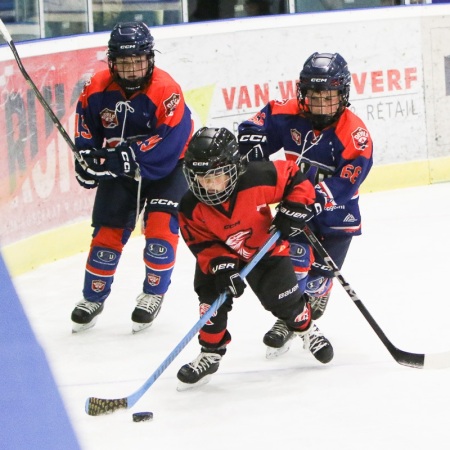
[122, 161]
[227, 277]
[84, 179]
[89, 165]
[292, 217]
[252, 145]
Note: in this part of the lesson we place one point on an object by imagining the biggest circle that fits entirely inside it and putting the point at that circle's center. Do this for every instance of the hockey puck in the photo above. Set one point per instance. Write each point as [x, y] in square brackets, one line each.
[142, 416]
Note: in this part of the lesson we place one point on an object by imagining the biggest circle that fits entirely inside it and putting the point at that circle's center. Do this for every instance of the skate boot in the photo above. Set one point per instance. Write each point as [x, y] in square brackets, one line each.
[198, 372]
[318, 344]
[278, 339]
[318, 305]
[84, 316]
[148, 307]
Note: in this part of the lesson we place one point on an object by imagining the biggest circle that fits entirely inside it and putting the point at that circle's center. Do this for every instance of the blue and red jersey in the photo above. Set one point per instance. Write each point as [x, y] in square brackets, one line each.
[343, 152]
[155, 122]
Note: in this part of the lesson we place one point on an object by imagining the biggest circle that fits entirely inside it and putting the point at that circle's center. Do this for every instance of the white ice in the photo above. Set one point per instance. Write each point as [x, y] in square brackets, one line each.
[362, 400]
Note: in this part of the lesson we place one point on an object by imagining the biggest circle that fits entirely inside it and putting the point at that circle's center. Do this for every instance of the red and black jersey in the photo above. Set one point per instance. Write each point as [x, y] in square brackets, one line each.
[156, 121]
[238, 227]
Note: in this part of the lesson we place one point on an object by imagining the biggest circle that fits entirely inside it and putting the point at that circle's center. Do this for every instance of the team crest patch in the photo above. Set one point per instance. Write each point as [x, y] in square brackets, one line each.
[171, 103]
[360, 139]
[203, 309]
[153, 280]
[109, 118]
[98, 285]
[296, 136]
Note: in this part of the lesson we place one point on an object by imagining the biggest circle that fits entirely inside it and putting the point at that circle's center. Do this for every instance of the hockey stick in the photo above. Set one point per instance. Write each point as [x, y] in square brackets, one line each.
[99, 406]
[415, 360]
[4, 31]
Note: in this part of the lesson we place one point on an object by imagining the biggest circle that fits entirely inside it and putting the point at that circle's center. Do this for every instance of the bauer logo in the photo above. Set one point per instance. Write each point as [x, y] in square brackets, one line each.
[106, 256]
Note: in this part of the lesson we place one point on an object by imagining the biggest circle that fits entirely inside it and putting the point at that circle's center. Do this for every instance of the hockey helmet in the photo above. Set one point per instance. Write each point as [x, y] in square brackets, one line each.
[324, 72]
[212, 153]
[130, 39]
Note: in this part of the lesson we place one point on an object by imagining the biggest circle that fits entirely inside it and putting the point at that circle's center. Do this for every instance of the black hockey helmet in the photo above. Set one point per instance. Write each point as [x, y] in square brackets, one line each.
[131, 39]
[212, 152]
[324, 72]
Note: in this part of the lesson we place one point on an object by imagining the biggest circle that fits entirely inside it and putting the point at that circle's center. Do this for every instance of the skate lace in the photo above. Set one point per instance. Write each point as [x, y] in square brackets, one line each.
[316, 340]
[149, 302]
[89, 307]
[280, 329]
[204, 361]
[319, 303]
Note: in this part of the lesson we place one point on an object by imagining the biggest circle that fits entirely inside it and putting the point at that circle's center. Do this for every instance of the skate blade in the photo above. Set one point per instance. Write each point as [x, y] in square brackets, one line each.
[187, 386]
[80, 327]
[272, 352]
[137, 327]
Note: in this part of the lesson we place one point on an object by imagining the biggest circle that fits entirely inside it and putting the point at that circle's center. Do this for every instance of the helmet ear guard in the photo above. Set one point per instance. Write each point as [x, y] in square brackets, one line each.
[212, 153]
[324, 72]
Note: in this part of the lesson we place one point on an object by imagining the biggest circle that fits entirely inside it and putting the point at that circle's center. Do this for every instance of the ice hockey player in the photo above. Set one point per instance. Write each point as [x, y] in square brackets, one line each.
[133, 115]
[334, 149]
[225, 217]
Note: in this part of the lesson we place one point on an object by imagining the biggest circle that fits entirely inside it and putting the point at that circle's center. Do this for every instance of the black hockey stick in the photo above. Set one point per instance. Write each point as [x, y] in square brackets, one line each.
[415, 360]
[99, 406]
[4, 31]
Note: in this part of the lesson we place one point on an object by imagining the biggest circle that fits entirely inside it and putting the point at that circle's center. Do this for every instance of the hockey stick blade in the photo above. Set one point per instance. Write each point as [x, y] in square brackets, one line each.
[99, 406]
[414, 360]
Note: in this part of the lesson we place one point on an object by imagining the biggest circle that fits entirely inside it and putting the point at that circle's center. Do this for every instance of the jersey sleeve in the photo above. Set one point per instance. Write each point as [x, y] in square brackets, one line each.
[353, 162]
[172, 127]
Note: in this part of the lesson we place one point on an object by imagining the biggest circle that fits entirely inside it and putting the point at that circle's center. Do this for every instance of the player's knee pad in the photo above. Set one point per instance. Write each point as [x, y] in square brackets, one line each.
[318, 285]
[302, 258]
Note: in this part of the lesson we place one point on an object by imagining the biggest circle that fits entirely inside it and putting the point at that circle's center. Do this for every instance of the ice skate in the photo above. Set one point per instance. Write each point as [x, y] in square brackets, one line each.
[318, 305]
[85, 315]
[148, 307]
[198, 372]
[278, 340]
[317, 344]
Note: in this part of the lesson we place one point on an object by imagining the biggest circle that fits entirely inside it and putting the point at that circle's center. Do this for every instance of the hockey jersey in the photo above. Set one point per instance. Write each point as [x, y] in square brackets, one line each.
[238, 227]
[155, 122]
[336, 160]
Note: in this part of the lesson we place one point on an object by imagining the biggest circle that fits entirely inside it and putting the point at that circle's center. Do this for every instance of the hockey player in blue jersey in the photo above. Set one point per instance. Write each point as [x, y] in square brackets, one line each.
[334, 149]
[132, 130]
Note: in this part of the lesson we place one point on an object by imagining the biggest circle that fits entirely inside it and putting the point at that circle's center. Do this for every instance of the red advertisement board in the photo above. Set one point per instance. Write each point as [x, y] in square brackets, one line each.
[38, 190]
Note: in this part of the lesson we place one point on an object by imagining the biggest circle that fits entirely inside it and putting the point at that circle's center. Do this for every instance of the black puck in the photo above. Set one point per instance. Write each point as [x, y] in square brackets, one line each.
[142, 416]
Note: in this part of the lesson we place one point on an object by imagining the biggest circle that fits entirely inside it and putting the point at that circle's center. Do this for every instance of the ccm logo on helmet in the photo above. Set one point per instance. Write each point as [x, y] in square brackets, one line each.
[200, 163]
[125, 46]
[318, 80]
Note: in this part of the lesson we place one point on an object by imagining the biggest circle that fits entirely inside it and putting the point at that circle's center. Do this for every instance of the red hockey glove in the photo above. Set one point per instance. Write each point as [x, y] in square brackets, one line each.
[292, 217]
[227, 277]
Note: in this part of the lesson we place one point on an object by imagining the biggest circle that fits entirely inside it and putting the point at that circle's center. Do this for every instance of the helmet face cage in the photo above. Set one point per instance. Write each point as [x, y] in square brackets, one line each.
[213, 158]
[133, 43]
[324, 72]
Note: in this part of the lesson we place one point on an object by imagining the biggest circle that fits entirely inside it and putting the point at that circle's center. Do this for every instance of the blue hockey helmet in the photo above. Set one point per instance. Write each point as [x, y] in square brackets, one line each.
[130, 39]
[324, 72]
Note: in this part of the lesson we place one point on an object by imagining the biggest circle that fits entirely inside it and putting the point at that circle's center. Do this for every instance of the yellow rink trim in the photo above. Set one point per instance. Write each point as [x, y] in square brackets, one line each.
[69, 240]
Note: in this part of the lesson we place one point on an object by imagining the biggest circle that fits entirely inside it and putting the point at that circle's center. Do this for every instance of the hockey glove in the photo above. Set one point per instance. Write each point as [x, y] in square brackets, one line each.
[121, 161]
[292, 217]
[84, 179]
[90, 166]
[252, 145]
[227, 277]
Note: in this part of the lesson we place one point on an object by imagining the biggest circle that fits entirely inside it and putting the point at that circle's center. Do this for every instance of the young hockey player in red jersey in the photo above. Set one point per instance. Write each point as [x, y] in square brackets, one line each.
[224, 219]
[334, 149]
[133, 115]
